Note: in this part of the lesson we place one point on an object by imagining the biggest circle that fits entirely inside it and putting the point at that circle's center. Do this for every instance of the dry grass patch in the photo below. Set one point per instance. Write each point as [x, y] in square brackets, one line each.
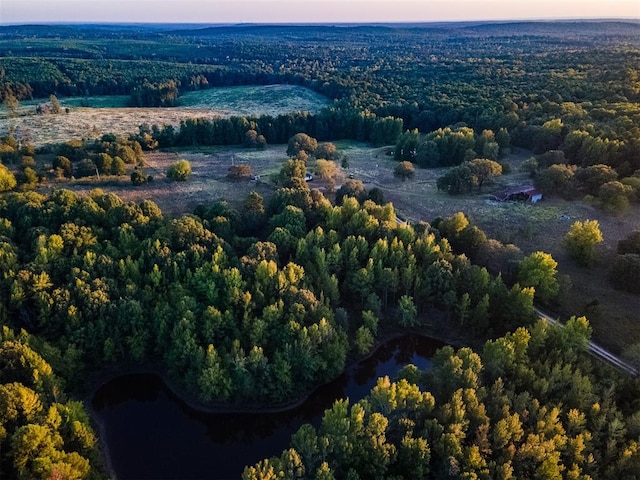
[92, 117]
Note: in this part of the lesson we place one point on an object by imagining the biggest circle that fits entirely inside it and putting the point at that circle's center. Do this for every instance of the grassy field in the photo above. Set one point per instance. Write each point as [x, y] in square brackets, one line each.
[254, 100]
[92, 117]
[531, 227]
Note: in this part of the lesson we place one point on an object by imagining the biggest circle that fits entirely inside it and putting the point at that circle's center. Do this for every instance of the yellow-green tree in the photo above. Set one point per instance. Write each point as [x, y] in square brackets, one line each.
[581, 241]
[179, 171]
[539, 271]
[7, 179]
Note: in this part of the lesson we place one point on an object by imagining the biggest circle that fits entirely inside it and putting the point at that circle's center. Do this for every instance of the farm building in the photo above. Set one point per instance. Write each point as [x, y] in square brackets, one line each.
[523, 193]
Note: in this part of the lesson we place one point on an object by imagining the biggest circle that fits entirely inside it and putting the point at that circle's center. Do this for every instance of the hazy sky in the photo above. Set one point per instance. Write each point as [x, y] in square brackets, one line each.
[271, 11]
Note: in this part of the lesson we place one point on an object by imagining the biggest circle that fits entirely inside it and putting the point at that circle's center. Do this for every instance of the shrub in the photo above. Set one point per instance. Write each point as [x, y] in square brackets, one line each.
[238, 172]
[625, 272]
[631, 244]
[179, 171]
[138, 177]
[404, 170]
[64, 165]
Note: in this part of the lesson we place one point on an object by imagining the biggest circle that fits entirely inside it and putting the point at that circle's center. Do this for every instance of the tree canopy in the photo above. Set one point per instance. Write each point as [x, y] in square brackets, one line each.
[581, 241]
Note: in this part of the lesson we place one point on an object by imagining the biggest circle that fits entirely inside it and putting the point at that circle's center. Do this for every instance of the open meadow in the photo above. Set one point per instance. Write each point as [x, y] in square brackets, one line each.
[92, 117]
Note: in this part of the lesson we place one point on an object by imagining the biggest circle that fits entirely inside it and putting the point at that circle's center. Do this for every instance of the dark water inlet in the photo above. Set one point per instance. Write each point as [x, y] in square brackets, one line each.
[152, 434]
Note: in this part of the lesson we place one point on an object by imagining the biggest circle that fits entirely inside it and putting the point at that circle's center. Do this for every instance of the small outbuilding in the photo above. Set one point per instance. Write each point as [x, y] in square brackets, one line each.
[523, 193]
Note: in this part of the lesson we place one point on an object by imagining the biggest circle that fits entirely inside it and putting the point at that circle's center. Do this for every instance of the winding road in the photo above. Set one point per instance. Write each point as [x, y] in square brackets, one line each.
[598, 351]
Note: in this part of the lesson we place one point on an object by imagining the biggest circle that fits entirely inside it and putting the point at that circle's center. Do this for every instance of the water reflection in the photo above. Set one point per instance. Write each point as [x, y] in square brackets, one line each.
[152, 434]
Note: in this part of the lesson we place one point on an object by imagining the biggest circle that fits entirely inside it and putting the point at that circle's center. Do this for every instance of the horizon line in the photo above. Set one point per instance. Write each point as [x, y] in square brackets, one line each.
[283, 23]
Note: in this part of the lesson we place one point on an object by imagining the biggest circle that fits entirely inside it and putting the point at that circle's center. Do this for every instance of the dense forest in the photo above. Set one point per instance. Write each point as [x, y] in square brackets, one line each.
[528, 405]
[567, 88]
[257, 305]
[542, 83]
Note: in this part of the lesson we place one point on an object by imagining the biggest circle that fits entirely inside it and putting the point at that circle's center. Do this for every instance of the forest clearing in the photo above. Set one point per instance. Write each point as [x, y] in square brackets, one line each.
[93, 116]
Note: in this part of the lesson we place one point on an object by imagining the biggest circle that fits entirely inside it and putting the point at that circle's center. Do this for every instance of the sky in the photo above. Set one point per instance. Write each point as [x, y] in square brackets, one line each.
[306, 11]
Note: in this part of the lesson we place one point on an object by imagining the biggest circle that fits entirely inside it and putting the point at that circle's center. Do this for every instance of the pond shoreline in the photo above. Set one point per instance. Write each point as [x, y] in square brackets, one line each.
[102, 377]
[107, 375]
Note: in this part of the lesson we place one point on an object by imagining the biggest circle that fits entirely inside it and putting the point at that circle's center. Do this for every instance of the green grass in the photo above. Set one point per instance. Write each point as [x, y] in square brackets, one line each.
[242, 101]
[255, 100]
[103, 101]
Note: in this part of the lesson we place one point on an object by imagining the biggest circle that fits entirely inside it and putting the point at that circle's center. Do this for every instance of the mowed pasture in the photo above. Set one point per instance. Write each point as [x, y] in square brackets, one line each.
[92, 117]
[531, 227]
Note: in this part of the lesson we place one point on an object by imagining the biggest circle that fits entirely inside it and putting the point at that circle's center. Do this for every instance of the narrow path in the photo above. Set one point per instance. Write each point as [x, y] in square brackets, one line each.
[598, 351]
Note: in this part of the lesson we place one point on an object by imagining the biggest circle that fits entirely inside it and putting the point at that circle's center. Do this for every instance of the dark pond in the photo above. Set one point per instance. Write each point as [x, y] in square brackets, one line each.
[152, 434]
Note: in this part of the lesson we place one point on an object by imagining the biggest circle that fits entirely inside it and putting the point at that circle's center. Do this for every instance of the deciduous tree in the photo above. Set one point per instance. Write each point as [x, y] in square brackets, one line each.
[485, 170]
[625, 272]
[557, 179]
[11, 104]
[301, 142]
[614, 196]
[55, 104]
[327, 151]
[539, 271]
[458, 179]
[581, 241]
[7, 179]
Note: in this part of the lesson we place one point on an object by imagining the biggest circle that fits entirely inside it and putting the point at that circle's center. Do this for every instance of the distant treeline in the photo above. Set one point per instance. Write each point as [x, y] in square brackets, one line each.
[328, 124]
[488, 78]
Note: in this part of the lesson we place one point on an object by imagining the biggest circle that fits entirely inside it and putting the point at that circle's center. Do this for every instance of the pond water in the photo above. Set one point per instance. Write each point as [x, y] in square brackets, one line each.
[152, 434]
